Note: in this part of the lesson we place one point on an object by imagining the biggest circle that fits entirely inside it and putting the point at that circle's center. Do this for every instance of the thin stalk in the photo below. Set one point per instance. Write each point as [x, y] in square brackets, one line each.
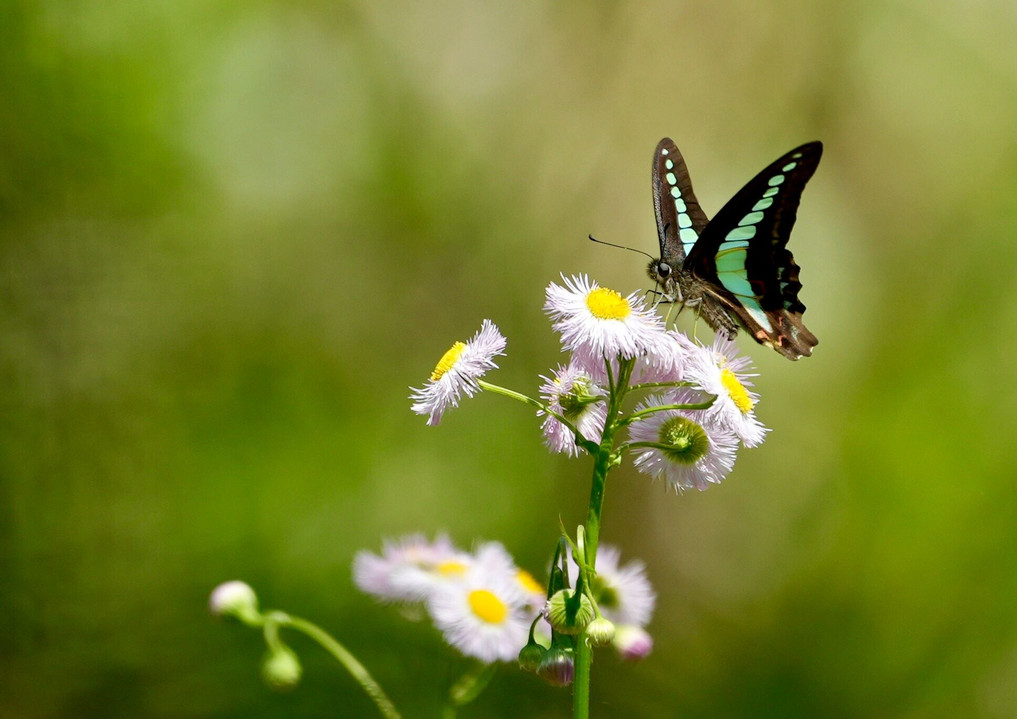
[655, 385]
[337, 650]
[518, 396]
[665, 407]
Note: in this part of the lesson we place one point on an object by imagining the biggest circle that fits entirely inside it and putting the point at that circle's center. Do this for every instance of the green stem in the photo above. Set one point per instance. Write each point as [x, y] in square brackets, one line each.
[665, 407]
[656, 385]
[519, 397]
[581, 692]
[337, 650]
[604, 460]
[512, 394]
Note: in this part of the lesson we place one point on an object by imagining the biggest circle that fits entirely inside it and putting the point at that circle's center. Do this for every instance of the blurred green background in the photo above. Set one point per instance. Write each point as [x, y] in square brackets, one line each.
[232, 235]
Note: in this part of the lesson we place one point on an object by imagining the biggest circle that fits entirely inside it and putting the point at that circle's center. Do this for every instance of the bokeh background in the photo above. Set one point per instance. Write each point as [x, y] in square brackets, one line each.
[234, 234]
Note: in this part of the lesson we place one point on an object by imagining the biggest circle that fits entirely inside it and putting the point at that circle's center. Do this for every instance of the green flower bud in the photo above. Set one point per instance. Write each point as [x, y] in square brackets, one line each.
[530, 657]
[565, 614]
[281, 669]
[600, 632]
[557, 667]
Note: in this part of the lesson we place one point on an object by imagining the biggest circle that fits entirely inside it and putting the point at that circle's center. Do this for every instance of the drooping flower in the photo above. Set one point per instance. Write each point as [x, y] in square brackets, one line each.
[720, 370]
[485, 616]
[597, 323]
[573, 394]
[457, 373]
[623, 593]
[694, 449]
[409, 568]
[557, 667]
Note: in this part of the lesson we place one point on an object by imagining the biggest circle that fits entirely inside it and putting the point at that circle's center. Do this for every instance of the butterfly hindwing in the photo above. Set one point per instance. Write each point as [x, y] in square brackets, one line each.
[680, 219]
[742, 258]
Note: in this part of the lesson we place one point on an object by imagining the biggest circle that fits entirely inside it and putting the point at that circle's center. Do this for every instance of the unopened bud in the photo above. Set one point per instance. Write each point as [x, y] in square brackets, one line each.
[530, 656]
[600, 632]
[557, 667]
[237, 600]
[565, 614]
[281, 668]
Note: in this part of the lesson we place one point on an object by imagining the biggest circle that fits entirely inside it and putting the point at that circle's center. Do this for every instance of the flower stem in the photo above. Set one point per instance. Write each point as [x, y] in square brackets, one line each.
[518, 396]
[604, 460]
[337, 650]
[655, 385]
[511, 393]
[666, 407]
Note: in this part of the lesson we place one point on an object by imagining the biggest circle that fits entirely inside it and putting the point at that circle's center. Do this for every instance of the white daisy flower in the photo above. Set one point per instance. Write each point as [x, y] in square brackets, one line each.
[410, 568]
[664, 363]
[457, 372]
[667, 362]
[485, 616]
[623, 593]
[596, 322]
[492, 557]
[720, 370]
[699, 450]
[573, 394]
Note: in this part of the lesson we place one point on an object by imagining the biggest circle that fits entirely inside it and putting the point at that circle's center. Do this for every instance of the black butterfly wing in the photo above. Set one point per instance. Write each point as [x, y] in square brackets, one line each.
[680, 219]
[742, 254]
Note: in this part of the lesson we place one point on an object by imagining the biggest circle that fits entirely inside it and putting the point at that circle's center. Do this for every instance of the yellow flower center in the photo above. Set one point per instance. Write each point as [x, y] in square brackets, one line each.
[529, 583]
[736, 390]
[451, 568]
[607, 304]
[447, 360]
[487, 606]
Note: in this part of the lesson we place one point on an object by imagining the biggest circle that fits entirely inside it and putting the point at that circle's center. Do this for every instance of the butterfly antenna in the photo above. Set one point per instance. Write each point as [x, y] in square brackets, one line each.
[621, 247]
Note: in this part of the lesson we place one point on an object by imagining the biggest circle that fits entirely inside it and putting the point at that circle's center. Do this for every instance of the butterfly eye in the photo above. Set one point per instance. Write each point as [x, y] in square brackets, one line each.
[664, 270]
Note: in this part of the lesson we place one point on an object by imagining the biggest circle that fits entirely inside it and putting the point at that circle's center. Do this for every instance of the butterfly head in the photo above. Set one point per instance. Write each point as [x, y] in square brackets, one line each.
[661, 272]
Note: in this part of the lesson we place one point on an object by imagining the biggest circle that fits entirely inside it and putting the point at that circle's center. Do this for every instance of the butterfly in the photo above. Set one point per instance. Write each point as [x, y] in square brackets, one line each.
[735, 269]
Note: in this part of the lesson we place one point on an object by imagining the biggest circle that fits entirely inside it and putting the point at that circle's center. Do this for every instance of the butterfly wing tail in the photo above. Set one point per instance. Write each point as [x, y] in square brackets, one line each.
[791, 339]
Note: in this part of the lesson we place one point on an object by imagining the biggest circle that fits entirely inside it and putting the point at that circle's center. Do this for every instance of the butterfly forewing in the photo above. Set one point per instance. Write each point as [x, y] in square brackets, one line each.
[742, 253]
[680, 219]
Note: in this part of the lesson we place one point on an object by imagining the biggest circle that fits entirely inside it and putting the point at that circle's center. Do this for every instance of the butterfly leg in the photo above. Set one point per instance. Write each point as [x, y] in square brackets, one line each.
[695, 305]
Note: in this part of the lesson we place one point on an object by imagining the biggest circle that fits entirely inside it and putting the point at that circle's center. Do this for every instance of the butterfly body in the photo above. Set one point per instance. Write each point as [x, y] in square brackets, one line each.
[686, 289]
[735, 269]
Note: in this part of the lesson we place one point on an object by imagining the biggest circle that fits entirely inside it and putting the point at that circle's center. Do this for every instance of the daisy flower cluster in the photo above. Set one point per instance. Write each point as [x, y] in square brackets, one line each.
[698, 407]
[482, 603]
[628, 386]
